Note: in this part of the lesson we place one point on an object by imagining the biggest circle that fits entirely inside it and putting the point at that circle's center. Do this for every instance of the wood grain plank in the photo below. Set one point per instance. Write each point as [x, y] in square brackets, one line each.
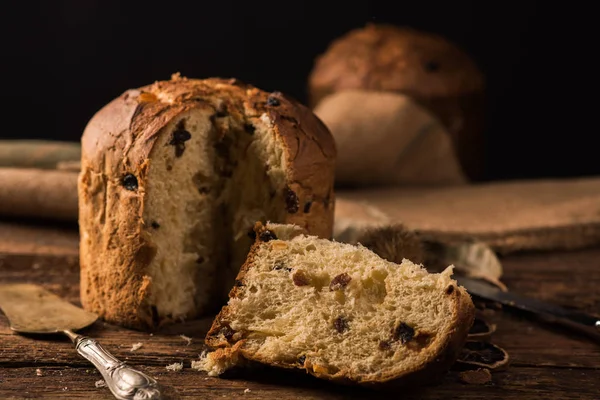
[546, 361]
[515, 383]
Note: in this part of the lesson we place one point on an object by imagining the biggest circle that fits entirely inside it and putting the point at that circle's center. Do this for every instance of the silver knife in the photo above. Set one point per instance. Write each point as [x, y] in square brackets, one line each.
[585, 323]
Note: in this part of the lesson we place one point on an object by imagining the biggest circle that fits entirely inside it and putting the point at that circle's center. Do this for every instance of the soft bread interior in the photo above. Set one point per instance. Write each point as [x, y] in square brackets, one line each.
[210, 178]
[338, 309]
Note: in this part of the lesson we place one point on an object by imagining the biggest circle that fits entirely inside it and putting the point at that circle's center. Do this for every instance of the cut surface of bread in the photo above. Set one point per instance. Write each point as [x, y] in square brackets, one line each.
[338, 311]
[174, 176]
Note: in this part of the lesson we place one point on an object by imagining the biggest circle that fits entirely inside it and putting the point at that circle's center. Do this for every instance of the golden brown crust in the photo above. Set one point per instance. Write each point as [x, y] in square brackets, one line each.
[115, 248]
[437, 364]
[425, 66]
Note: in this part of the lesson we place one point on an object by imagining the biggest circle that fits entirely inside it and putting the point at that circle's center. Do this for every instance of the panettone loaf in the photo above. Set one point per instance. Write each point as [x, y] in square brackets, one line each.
[173, 177]
[425, 66]
[339, 312]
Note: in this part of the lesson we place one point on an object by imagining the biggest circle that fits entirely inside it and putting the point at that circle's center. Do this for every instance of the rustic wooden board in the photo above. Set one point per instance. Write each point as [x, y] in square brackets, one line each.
[546, 362]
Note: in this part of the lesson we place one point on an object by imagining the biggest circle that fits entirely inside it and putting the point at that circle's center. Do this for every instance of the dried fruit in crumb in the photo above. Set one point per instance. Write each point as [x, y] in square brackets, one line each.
[341, 324]
[403, 332]
[178, 139]
[146, 97]
[281, 266]
[227, 332]
[384, 345]
[292, 204]
[307, 206]
[340, 282]
[300, 278]
[130, 182]
[267, 235]
[272, 100]
[301, 360]
[279, 245]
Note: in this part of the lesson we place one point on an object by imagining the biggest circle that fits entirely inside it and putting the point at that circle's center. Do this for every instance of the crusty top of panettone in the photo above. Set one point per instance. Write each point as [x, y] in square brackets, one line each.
[128, 125]
[393, 58]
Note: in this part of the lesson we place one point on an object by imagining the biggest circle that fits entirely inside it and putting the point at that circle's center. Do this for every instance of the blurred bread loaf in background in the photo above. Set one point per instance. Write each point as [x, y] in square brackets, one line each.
[433, 78]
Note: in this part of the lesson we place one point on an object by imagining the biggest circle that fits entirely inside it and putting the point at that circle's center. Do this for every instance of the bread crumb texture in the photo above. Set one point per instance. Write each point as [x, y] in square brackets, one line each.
[338, 311]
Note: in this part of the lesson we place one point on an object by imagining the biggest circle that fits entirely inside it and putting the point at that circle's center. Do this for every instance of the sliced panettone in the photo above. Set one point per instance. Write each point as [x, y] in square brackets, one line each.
[338, 311]
[173, 177]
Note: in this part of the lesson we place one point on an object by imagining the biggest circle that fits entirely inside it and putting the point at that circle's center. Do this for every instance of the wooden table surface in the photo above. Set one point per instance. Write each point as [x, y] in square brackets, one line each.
[546, 362]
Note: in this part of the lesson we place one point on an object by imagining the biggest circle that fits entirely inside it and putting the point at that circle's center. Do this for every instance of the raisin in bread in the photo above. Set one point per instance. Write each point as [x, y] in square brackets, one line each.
[173, 177]
[432, 70]
[338, 311]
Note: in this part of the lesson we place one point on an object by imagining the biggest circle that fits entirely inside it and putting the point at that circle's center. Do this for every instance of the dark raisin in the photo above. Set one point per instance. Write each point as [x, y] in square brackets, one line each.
[340, 324]
[272, 100]
[301, 360]
[252, 234]
[199, 260]
[403, 332]
[432, 66]
[221, 114]
[450, 289]
[180, 136]
[281, 266]
[155, 225]
[291, 201]
[384, 345]
[238, 283]
[169, 167]
[339, 282]
[267, 235]
[300, 278]
[130, 182]
[227, 332]
[249, 128]
[307, 206]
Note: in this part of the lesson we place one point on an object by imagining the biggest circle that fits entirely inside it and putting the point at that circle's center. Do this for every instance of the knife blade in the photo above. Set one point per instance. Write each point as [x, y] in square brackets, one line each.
[583, 322]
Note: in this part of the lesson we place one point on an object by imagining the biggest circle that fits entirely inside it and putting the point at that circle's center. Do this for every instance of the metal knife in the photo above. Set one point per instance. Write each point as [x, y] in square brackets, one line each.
[585, 323]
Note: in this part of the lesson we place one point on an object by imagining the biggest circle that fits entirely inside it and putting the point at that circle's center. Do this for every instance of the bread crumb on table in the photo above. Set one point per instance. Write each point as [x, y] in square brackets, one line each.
[100, 383]
[38, 372]
[136, 346]
[175, 367]
[187, 339]
[247, 390]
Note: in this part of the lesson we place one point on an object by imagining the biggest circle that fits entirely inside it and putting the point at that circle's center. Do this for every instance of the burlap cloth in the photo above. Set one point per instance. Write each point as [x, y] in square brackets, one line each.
[509, 216]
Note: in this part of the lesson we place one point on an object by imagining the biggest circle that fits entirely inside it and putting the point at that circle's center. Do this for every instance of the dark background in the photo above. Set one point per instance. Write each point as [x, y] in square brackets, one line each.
[64, 60]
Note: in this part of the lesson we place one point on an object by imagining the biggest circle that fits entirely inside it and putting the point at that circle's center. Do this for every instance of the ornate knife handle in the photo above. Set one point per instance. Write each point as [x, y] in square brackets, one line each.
[123, 381]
